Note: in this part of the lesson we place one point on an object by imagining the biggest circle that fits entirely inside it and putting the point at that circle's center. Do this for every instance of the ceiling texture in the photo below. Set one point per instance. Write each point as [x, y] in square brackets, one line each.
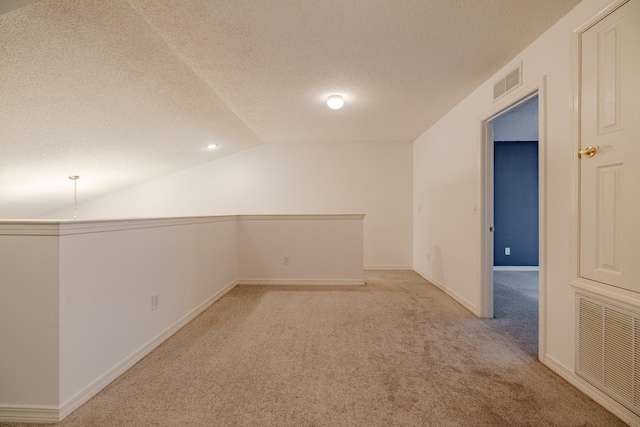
[123, 91]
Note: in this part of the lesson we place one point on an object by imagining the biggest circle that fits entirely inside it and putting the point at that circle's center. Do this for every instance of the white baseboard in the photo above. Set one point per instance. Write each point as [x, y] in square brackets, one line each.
[388, 267]
[289, 282]
[466, 304]
[516, 268]
[29, 414]
[92, 389]
[601, 398]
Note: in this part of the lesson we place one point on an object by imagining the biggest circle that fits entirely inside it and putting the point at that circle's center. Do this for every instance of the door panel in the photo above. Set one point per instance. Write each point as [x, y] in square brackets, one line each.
[610, 120]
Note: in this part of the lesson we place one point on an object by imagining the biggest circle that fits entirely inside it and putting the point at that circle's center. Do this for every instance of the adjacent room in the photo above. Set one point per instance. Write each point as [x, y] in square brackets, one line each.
[516, 222]
[293, 213]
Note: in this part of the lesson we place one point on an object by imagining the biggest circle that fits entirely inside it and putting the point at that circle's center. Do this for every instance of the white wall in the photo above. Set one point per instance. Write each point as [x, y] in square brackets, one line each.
[446, 185]
[355, 178]
[446, 236]
[29, 267]
[318, 249]
[106, 283]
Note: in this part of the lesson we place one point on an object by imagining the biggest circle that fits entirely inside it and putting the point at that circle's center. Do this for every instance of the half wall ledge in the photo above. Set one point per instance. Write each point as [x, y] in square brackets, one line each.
[76, 295]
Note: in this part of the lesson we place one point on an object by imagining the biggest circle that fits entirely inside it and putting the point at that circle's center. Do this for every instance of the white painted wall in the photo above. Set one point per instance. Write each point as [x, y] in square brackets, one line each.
[353, 178]
[106, 283]
[29, 267]
[446, 235]
[446, 185]
[318, 248]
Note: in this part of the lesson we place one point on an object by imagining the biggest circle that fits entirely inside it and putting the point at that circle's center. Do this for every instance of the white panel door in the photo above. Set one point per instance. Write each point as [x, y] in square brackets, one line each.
[610, 120]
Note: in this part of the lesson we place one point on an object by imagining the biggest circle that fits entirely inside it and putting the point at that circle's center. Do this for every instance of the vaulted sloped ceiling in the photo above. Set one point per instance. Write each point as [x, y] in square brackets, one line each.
[122, 91]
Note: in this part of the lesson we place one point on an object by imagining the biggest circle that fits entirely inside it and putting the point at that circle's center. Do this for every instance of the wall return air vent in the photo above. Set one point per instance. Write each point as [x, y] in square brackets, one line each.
[512, 80]
[608, 353]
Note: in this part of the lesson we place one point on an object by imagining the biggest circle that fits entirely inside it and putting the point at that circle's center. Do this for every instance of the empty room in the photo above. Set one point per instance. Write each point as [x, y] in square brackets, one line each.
[293, 213]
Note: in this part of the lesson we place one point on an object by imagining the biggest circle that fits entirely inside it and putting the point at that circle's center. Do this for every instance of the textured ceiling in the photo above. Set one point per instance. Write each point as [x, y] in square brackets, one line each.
[122, 91]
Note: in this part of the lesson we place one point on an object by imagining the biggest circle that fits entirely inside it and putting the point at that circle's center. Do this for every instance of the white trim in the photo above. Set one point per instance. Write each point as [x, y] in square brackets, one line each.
[29, 414]
[388, 267]
[605, 401]
[301, 282]
[100, 226]
[92, 389]
[515, 98]
[515, 268]
[463, 302]
[486, 218]
[599, 16]
[69, 227]
[302, 217]
[520, 96]
[542, 216]
[29, 228]
[610, 292]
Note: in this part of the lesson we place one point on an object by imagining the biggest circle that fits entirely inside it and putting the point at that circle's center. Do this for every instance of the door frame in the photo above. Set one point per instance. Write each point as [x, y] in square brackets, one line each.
[486, 170]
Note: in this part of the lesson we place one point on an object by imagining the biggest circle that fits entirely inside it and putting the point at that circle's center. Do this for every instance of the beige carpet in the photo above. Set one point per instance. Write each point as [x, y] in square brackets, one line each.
[396, 352]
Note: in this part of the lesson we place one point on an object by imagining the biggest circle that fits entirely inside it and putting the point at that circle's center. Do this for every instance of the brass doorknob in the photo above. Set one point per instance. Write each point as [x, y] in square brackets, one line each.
[590, 151]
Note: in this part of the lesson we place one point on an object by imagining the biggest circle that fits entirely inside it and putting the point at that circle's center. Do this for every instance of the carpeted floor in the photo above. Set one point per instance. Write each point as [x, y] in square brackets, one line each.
[515, 307]
[396, 352]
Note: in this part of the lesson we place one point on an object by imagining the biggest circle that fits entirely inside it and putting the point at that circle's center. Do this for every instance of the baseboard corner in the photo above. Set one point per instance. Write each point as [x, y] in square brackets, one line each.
[463, 302]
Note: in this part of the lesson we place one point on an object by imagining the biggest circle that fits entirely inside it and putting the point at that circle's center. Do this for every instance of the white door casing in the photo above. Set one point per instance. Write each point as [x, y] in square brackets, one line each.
[512, 100]
[609, 181]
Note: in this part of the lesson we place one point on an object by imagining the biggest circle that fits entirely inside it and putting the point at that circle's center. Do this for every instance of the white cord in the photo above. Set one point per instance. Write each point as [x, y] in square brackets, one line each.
[75, 179]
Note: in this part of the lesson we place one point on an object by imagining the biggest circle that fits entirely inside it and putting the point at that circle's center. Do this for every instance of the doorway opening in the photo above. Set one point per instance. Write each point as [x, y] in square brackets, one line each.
[515, 236]
[513, 221]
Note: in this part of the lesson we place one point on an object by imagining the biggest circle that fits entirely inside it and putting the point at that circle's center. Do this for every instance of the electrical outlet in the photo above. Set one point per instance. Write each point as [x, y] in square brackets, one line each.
[507, 251]
[155, 301]
[285, 260]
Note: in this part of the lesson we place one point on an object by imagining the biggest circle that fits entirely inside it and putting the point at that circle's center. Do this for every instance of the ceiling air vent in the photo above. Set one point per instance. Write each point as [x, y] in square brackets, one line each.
[509, 82]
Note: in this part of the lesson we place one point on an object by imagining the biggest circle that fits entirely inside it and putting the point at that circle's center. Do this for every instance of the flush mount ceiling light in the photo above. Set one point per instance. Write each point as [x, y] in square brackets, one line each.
[212, 146]
[335, 102]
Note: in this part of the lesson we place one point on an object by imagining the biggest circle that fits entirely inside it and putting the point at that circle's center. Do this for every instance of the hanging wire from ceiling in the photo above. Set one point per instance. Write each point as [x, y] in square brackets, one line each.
[75, 179]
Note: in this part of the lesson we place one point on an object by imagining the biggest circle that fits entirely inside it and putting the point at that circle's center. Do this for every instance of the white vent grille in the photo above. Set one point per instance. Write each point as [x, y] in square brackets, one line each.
[608, 353]
[509, 82]
[590, 339]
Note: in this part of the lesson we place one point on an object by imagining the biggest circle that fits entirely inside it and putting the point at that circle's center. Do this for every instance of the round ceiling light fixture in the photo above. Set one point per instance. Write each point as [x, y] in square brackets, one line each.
[212, 146]
[335, 102]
